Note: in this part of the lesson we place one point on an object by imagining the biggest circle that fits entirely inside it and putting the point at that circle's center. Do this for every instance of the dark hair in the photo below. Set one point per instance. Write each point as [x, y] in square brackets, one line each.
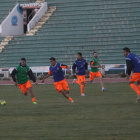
[52, 58]
[126, 49]
[79, 53]
[94, 52]
[23, 59]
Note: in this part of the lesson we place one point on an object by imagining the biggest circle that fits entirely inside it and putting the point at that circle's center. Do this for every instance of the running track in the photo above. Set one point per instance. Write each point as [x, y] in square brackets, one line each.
[50, 81]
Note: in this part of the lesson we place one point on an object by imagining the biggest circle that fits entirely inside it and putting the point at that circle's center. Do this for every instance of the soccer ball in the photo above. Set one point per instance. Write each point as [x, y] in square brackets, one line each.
[2, 102]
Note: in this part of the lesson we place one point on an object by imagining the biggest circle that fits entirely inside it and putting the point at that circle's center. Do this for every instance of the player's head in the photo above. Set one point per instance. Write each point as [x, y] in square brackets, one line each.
[95, 54]
[52, 61]
[126, 51]
[23, 62]
[79, 55]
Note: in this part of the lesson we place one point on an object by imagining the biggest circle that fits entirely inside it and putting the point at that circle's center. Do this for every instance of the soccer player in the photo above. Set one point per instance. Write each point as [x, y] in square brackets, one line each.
[21, 75]
[60, 82]
[94, 71]
[133, 66]
[80, 67]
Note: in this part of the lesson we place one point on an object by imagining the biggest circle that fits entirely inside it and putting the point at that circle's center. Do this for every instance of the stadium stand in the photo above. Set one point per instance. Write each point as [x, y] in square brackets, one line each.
[85, 26]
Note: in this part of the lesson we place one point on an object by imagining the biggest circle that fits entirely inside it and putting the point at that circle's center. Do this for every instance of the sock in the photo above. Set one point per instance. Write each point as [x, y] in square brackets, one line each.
[139, 89]
[33, 99]
[70, 99]
[82, 89]
[134, 87]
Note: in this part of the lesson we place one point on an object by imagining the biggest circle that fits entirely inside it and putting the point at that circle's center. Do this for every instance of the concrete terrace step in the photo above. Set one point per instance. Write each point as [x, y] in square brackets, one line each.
[42, 21]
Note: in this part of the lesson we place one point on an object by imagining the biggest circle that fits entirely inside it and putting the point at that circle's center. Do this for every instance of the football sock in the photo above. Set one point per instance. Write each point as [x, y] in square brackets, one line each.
[139, 89]
[33, 99]
[134, 87]
[82, 89]
[70, 99]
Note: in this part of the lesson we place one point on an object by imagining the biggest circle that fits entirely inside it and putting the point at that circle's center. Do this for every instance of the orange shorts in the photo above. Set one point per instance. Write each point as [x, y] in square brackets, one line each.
[92, 75]
[81, 78]
[135, 77]
[24, 87]
[61, 85]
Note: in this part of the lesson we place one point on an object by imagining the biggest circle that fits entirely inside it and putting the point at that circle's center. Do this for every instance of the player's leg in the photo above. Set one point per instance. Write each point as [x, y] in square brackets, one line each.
[138, 86]
[82, 89]
[91, 77]
[29, 87]
[65, 90]
[138, 81]
[99, 75]
[32, 95]
[64, 93]
[60, 89]
[78, 80]
[65, 86]
[133, 79]
[23, 89]
[132, 84]
[138, 94]
[82, 85]
[102, 84]
[134, 87]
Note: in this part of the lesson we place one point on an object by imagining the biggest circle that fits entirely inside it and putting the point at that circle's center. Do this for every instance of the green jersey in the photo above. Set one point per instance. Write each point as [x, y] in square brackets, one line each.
[22, 74]
[94, 62]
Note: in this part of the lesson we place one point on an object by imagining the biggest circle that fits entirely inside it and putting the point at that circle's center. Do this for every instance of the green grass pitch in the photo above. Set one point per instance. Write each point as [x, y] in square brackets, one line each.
[112, 115]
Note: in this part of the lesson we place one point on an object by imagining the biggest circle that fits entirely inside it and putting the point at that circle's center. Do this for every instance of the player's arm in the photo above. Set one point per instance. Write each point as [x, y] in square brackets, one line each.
[13, 74]
[91, 65]
[129, 67]
[32, 77]
[86, 67]
[74, 68]
[48, 75]
[100, 66]
[63, 66]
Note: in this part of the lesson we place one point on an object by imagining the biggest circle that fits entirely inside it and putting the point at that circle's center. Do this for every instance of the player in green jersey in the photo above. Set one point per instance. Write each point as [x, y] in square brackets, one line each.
[94, 71]
[21, 75]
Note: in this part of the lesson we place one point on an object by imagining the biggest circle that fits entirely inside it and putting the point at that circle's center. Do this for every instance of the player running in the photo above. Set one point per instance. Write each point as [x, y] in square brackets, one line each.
[80, 67]
[60, 82]
[133, 66]
[94, 71]
[21, 75]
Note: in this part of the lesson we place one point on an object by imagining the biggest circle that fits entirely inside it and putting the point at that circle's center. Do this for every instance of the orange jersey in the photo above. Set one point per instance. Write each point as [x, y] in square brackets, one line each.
[24, 87]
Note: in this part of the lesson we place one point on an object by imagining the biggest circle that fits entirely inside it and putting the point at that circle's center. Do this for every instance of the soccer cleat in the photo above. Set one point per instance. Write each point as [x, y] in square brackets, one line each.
[103, 89]
[138, 100]
[34, 103]
[73, 82]
[26, 94]
[72, 101]
[83, 94]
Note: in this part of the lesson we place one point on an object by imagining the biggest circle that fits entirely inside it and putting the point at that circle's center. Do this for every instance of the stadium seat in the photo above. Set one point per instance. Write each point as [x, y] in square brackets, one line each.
[77, 25]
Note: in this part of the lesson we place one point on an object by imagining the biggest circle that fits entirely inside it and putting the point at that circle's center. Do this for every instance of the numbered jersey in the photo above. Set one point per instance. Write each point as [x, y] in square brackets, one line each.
[135, 60]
